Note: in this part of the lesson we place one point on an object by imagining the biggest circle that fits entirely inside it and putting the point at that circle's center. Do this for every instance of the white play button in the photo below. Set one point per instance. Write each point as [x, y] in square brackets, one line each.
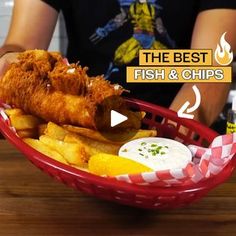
[113, 118]
[117, 118]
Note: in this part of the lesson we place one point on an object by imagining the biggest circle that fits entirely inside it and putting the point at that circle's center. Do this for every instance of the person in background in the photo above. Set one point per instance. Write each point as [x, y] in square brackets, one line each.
[106, 36]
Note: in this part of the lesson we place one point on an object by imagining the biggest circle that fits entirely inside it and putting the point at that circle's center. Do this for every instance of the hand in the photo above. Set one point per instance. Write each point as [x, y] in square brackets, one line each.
[6, 60]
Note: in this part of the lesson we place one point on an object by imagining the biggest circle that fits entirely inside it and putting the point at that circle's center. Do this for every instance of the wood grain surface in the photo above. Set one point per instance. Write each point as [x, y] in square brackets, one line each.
[31, 203]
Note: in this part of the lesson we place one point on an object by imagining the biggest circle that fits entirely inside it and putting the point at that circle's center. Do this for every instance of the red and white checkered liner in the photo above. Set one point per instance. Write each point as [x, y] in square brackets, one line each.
[207, 162]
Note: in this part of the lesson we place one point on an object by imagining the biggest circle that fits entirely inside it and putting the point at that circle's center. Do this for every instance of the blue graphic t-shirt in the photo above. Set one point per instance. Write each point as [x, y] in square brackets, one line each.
[106, 35]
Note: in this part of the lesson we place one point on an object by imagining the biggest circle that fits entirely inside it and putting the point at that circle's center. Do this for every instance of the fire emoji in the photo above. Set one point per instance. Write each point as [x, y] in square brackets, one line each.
[223, 54]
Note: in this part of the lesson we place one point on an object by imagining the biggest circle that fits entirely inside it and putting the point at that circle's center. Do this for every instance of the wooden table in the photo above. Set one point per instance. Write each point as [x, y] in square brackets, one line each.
[31, 203]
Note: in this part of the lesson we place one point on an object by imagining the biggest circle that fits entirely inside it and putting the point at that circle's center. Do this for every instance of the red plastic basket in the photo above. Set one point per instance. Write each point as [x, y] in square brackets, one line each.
[134, 195]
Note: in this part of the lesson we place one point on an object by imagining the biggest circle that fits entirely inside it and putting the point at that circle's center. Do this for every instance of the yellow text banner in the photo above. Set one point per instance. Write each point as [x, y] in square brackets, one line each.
[174, 57]
[178, 74]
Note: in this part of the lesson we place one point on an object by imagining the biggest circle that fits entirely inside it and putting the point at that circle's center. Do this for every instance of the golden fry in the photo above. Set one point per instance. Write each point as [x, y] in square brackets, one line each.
[55, 131]
[143, 133]
[23, 122]
[41, 147]
[142, 114]
[74, 153]
[89, 133]
[14, 111]
[95, 135]
[92, 146]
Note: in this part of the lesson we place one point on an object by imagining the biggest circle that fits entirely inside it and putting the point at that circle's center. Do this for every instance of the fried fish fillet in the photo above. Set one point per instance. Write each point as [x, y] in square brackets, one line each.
[42, 84]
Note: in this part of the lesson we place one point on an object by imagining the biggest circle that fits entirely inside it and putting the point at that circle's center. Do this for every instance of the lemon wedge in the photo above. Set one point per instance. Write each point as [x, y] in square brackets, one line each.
[112, 165]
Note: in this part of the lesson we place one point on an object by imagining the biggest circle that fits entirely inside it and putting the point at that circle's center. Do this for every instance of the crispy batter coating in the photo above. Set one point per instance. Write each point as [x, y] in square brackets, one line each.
[70, 79]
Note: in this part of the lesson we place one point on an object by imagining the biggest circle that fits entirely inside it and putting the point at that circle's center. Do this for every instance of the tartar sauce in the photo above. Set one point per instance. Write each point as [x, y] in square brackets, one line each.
[157, 153]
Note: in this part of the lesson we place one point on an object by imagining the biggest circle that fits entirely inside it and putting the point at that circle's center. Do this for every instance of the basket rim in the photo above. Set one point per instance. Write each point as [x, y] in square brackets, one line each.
[35, 156]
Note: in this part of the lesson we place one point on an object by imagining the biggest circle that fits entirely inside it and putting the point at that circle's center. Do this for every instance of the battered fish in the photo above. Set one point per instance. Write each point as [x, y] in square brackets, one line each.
[43, 84]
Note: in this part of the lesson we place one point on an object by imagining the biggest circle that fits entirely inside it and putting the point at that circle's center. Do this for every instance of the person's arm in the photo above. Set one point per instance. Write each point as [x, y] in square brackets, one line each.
[209, 27]
[32, 26]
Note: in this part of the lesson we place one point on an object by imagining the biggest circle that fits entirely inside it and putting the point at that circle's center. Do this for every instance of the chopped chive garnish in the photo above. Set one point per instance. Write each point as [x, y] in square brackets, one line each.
[154, 145]
[141, 154]
[124, 150]
[162, 153]
[140, 149]
[143, 143]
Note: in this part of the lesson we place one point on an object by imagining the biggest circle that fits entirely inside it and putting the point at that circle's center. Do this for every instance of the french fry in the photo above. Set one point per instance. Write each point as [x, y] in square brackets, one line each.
[92, 146]
[28, 133]
[143, 133]
[14, 111]
[55, 131]
[142, 114]
[23, 122]
[74, 153]
[95, 135]
[41, 147]
[89, 133]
